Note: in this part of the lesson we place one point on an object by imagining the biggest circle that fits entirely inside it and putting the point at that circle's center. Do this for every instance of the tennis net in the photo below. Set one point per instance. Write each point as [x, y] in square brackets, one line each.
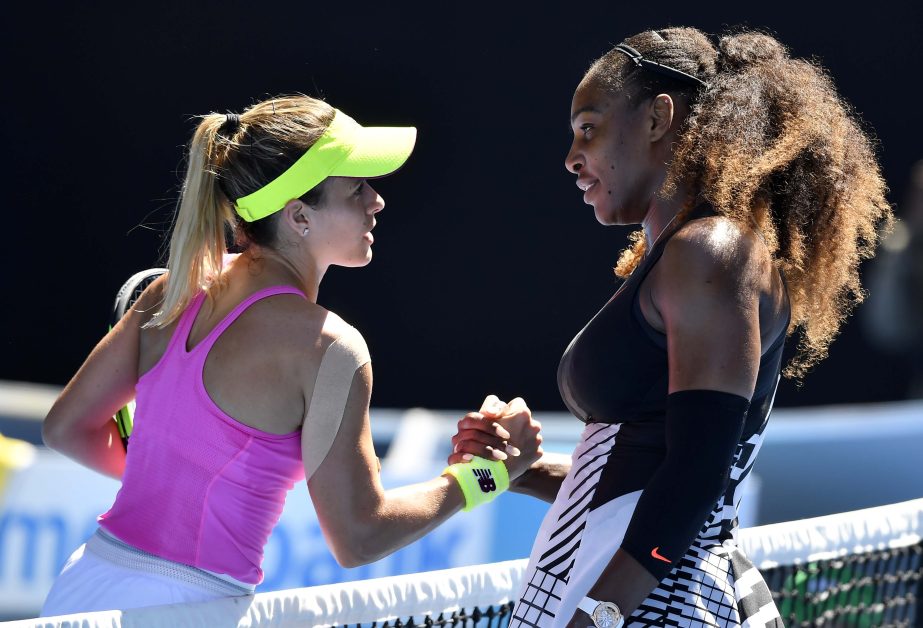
[860, 568]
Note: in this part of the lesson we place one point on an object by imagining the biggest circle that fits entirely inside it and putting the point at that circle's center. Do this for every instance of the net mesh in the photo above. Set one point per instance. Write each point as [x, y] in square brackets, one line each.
[860, 568]
[878, 588]
[492, 616]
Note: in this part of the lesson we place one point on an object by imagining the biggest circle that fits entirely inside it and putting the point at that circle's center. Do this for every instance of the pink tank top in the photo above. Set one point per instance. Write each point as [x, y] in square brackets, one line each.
[199, 487]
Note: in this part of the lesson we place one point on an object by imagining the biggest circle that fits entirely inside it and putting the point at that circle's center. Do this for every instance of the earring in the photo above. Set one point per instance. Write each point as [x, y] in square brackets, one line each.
[305, 232]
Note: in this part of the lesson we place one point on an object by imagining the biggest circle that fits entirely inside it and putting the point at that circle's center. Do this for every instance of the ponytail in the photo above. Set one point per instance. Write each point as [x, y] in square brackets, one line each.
[198, 243]
[773, 143]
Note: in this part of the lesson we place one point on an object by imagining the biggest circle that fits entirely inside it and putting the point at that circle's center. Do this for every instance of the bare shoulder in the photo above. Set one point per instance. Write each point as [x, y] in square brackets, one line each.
[293, 306]
[284, 328]
[718, 251]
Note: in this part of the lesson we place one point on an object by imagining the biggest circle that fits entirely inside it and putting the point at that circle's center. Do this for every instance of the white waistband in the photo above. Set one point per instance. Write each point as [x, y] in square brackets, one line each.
[120, 553]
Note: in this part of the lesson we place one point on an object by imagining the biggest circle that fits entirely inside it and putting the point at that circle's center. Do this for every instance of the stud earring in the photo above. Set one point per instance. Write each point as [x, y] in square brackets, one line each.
[305, 232]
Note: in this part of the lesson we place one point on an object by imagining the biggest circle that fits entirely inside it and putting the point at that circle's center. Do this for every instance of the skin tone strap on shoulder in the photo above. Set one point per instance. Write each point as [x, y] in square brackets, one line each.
[342, 359]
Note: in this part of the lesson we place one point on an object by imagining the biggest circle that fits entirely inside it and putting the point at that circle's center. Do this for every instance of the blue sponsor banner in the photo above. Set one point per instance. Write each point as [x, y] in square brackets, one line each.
[50, 509]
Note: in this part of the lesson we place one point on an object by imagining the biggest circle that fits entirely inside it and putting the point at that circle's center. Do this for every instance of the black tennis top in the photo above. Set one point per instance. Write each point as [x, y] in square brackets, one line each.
[615, 370]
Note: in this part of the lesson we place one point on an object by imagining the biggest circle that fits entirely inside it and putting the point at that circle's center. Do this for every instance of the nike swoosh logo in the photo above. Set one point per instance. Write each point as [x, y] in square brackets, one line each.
[657, 555]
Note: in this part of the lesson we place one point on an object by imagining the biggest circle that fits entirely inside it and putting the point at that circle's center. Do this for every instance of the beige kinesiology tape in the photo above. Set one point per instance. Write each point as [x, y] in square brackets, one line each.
[342, 359]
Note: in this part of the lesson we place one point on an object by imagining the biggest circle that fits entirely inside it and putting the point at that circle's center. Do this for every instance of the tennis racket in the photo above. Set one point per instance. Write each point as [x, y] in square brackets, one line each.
[124, 299]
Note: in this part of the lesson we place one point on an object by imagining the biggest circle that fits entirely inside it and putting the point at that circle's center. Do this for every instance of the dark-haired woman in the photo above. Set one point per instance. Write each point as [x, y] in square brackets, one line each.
[244, 384]
[758, 195]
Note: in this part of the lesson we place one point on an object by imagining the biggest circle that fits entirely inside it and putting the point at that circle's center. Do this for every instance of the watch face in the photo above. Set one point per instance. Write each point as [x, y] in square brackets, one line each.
[606, 616]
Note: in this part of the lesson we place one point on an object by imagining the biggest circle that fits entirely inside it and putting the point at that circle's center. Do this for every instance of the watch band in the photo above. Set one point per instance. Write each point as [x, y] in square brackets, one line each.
[588, 605]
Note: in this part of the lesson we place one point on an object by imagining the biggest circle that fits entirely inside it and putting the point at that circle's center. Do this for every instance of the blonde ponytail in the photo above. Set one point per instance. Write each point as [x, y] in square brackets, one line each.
[198, 243]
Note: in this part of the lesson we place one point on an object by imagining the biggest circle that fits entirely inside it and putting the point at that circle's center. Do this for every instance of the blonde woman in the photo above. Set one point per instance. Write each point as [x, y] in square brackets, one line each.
[244, 385]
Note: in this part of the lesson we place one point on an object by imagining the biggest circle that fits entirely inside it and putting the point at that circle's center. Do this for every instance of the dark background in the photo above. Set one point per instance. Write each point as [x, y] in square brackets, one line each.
[486, 260]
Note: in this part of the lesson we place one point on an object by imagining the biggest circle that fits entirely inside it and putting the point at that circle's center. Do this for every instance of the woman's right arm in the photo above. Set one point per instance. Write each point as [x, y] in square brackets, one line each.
[360, 520]
[477, 436]
[79, 424]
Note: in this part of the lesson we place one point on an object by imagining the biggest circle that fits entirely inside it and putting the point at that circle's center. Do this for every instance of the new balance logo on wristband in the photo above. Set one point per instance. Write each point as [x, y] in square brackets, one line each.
[485, 480]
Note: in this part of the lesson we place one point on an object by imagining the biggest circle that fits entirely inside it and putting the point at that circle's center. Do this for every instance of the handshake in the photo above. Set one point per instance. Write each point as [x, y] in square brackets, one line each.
[499, 432]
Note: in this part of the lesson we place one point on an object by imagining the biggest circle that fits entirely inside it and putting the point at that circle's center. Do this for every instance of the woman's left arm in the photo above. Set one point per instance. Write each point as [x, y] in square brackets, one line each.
[706, 293]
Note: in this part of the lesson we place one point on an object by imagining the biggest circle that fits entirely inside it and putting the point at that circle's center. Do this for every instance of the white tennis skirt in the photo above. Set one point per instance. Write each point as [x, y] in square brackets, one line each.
[107, 574]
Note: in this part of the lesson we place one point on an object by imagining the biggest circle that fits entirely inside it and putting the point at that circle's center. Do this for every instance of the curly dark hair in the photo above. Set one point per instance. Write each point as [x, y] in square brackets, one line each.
[769, 143]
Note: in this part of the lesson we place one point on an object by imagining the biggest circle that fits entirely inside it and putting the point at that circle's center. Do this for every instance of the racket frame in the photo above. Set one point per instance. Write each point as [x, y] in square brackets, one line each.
[125, 298]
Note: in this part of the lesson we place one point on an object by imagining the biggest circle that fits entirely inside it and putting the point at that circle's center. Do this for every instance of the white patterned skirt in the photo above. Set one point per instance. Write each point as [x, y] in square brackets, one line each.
[713, 584]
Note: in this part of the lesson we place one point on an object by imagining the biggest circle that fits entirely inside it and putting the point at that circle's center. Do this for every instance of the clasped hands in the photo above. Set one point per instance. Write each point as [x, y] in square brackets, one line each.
[499, 431]
[504, 431]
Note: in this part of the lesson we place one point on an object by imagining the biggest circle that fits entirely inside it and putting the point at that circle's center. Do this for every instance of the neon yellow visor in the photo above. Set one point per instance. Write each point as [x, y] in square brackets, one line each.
[346, 149]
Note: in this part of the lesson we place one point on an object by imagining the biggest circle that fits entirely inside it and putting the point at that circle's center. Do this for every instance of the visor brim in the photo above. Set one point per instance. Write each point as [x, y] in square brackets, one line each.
[378, 151]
